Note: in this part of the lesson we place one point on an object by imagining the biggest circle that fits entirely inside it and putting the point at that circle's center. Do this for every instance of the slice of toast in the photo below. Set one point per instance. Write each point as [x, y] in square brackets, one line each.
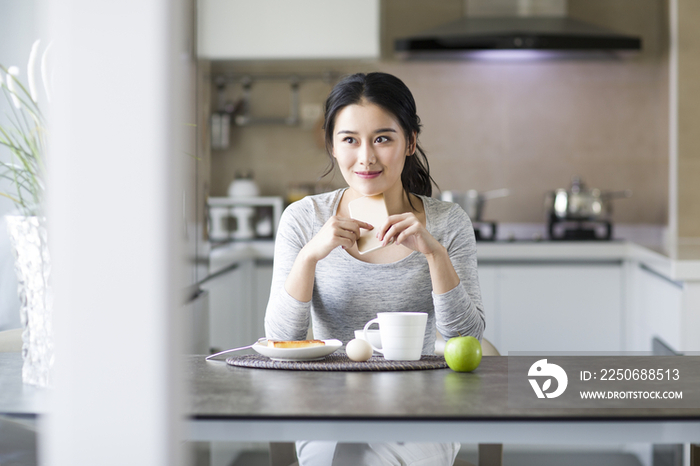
[294, 343]
[370, 209]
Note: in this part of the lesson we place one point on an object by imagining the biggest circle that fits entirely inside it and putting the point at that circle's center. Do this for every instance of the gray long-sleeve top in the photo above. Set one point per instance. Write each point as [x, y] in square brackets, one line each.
[348, 292]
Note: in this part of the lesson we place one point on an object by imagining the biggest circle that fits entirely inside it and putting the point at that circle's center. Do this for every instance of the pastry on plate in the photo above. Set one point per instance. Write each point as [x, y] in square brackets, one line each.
[294, 343]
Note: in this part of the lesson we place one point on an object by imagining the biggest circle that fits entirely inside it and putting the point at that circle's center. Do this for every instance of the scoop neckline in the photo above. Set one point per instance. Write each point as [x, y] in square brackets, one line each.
[350, 257]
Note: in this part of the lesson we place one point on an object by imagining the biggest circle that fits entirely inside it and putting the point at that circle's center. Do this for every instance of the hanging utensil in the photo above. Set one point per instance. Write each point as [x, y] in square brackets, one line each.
[220, 121]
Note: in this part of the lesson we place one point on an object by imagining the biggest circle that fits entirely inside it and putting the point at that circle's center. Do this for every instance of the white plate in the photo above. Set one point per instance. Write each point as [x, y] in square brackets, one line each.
[298, 354]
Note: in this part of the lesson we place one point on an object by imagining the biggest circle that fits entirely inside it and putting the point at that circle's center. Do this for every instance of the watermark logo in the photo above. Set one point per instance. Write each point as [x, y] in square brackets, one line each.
[543, 369]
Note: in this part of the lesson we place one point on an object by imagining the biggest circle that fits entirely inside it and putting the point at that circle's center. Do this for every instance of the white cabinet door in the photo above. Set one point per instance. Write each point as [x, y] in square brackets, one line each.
[553, 307]
[263, 281]
[656, 311]
[237, 303]
[283, 29]
[230, 305]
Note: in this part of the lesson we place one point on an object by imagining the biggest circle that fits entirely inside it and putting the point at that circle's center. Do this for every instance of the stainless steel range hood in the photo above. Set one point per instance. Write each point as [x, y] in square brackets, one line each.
[491, 30]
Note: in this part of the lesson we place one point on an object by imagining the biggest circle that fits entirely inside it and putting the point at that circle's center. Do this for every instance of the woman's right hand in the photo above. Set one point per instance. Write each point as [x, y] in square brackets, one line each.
[337, 231]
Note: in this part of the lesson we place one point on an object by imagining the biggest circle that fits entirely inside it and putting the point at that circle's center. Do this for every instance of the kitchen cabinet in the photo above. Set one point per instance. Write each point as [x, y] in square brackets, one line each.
[263, 281]
[279, 29]
[553, 306]
[655, 309]
[488, 282]
[238, 298]
[228, 297]
[537, 297]
[536, 294]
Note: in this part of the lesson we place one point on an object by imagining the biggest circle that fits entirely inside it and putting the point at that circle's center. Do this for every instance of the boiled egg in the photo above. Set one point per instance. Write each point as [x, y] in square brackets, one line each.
[358, 350]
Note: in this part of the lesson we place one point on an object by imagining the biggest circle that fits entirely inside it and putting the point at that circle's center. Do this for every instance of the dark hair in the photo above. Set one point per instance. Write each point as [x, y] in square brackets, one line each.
[391, 94]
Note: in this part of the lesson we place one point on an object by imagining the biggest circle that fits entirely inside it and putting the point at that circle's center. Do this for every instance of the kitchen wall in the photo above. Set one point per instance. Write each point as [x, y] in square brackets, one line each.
[527, 126]
[688, 162]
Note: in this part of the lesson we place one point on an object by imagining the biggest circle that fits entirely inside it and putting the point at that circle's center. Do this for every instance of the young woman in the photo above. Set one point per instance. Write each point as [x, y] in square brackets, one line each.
[428, 263]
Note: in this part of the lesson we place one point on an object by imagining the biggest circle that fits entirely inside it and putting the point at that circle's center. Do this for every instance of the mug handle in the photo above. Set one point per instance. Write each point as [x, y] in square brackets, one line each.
[367, 325]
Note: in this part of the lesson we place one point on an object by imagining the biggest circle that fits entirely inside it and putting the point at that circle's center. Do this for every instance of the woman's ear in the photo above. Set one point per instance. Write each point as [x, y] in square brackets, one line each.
[412, 141]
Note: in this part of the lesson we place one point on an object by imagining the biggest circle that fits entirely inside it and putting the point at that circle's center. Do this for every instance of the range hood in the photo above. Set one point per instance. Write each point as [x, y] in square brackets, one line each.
[519, 31]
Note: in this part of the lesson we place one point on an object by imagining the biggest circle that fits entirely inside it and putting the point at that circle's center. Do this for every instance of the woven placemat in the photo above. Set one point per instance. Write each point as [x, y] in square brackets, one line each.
[338, 362]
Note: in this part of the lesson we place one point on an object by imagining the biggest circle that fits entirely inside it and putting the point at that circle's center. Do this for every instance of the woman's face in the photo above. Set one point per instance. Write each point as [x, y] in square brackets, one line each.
[371, 148]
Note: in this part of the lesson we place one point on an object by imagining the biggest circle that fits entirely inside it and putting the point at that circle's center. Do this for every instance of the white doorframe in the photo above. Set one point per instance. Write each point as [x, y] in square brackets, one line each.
[112, 209]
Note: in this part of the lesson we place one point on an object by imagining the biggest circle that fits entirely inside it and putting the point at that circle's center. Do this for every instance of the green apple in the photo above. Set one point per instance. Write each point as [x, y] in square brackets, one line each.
[463, 354]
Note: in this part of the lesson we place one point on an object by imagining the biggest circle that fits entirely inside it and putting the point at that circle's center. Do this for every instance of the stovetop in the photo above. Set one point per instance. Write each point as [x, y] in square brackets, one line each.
[569, 230]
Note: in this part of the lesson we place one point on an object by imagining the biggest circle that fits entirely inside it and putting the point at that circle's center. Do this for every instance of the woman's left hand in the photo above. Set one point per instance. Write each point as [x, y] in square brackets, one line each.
[406, 230]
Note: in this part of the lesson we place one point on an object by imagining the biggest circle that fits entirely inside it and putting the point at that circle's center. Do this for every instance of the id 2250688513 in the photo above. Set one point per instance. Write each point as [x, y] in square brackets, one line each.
[631, 374]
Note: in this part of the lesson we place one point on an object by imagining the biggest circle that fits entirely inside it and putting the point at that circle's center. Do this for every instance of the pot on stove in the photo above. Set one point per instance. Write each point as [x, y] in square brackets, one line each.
[582, 203]
[473, 201]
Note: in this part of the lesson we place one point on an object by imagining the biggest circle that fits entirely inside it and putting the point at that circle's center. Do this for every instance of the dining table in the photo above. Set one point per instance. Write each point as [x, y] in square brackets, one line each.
[244, 404]
[250, 404]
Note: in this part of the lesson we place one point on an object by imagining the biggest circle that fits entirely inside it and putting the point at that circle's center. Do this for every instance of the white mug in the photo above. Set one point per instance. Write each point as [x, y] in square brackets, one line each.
[402, 334]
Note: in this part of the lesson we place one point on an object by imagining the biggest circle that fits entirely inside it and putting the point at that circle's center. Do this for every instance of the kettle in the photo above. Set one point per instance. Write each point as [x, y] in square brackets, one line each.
[243, 185]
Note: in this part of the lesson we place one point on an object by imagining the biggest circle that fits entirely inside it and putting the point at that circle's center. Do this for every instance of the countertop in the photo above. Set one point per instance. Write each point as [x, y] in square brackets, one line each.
[225, 255]
[516, 251]
[588, 251]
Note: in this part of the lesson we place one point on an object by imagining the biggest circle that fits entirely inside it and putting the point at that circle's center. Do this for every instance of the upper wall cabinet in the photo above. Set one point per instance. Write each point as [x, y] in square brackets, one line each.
[283, 29]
